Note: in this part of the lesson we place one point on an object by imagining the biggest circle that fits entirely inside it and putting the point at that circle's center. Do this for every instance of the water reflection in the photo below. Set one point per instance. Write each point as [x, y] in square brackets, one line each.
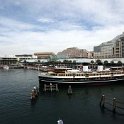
[80, 107]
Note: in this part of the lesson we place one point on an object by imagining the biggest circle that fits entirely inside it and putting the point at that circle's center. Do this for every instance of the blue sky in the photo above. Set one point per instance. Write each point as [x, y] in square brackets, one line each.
[28, 26]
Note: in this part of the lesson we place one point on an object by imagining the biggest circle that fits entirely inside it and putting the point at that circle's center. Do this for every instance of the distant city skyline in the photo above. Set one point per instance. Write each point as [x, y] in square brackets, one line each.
[29, 26]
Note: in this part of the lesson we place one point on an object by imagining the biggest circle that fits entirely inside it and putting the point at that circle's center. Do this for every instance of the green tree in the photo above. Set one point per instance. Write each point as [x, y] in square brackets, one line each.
[92, 62]
[105, 62]
[99, 62]
[119, 63]
[38, 61]
[112, 63]
[53, 58]
[74, 61]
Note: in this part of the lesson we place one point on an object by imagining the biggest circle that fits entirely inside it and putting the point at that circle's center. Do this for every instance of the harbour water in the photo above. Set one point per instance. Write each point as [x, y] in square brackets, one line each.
[82, 107]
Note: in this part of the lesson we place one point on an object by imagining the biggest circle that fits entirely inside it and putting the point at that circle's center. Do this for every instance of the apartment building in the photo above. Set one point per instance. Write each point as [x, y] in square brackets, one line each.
[104, 50]
[110, 49]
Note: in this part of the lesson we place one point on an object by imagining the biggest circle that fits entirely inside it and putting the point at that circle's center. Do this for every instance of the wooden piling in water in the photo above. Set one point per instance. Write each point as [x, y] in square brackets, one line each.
[57, 87]
[44, 87]
[50, 87]
[102, 101]
[69, 90]
[114, 105]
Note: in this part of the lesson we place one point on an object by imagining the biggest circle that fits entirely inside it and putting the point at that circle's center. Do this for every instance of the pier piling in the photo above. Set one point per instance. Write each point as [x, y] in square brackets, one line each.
[69, 90]
[114, 105]
[57, 87]
[51, 87]
[44, 87]
[102, 101]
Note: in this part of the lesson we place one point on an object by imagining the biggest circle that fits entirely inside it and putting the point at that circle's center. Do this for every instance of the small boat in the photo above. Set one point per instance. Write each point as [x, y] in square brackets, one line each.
[60, 121]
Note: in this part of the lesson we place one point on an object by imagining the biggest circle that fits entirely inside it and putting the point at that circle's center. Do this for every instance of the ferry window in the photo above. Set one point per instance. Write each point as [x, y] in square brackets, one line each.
[61, 75]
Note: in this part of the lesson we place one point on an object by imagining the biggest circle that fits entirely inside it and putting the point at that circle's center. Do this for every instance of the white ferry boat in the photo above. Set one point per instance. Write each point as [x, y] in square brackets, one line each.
[69, 76]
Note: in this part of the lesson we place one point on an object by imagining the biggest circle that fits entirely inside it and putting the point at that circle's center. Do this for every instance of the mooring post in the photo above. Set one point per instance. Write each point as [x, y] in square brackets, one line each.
[51, 87]
[57, 87]
[44, 87]
[114, 104]
[102, 102]
[69, 90]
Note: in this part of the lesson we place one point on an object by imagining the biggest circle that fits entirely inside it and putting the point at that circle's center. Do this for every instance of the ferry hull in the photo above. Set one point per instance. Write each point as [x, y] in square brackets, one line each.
[78, 82]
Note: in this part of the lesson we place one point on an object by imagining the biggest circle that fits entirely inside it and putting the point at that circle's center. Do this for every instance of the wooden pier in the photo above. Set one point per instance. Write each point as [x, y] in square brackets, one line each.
[112, 104]
[51, 87]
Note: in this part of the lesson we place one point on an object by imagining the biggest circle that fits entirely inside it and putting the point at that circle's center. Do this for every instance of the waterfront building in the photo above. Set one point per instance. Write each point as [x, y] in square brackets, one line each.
[23, 57]
[97, 48]
[104, 50]
[8, 60]
[75, 52]
[110, 49]
[118, 49]
[90, 54]
[44, 55]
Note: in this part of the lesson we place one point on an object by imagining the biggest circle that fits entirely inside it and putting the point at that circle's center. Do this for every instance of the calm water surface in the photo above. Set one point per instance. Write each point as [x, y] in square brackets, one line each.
[80, 108]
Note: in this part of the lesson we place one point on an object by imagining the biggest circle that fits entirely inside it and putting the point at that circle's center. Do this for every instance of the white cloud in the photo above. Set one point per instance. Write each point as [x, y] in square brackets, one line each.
[46, 20]
[64, 23]
[27, 42]
[12, 24]
[102, 12]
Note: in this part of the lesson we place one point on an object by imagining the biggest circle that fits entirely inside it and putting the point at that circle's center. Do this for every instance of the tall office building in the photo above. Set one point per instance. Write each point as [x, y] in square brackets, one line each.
[118, 49]
[110, 49]
[104, 50]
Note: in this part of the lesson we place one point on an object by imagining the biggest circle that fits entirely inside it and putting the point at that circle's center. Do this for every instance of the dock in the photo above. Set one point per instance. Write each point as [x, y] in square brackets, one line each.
[50, 87]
